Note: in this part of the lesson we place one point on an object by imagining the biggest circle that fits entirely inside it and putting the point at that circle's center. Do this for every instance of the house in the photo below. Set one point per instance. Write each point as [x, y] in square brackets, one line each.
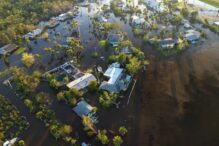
[187, 26]
[7, 49]
[116, 79]
[83, 109]
[126, 50]
[167, 43]
[137, 21]
[33, 34]
[192, 36]
[114, 39]
[216, 23]
[82, 82]
[63, 17]
[66, 70]
[10, 142]
[37, 32]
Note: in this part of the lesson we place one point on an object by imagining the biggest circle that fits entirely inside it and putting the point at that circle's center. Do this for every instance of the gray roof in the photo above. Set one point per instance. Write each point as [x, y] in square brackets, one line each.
[82, 109]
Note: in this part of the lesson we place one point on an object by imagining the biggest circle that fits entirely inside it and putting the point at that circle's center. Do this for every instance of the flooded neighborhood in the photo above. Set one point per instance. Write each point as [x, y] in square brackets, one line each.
[113, 72]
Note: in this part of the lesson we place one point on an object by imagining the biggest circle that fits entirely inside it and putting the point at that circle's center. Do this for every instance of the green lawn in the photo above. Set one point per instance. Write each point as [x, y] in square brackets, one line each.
[212, 2]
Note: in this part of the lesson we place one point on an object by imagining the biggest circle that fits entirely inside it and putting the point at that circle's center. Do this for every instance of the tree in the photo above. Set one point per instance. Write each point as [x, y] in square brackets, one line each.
[61, 96]
[29, 104]
[74, 48]
[72, 101]
[193, 16]
[45, 36]
[93, 86]
[51, 51]
[54, 83]
[21, 143]
[133, 66]
[74, 24]
[103, 43]
[87, 123]
[106, 99]
[65, 130]
[26, 83]
[54, 130]
[2, 137]
[102, 137]
[39, 114]
[28, 59]
[117, 141]
[122, 130]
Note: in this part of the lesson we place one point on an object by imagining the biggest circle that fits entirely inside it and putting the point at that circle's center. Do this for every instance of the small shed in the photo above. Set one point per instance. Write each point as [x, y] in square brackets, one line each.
[83, 109]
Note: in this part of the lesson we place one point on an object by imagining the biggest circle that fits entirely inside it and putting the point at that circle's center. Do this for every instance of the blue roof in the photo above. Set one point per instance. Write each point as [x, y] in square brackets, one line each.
[82, 109]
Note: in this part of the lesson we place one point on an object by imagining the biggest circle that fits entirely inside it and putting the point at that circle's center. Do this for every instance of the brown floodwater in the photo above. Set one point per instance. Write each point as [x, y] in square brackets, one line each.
[176, 101]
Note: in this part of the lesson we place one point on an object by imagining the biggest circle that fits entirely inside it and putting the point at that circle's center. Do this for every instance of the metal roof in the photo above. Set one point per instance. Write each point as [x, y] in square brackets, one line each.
[82, 82]
[82, 109]
[113, 73]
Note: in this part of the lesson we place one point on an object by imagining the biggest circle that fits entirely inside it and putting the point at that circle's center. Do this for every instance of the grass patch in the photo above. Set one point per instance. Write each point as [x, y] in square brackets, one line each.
[212, 2]
[20, 50]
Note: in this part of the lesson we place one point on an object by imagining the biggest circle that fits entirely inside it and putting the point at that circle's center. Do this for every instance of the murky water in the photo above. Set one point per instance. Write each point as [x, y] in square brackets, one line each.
[175, 102]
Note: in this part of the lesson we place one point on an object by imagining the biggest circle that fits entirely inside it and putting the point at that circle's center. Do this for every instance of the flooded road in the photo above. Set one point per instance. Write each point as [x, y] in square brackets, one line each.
[174, 102]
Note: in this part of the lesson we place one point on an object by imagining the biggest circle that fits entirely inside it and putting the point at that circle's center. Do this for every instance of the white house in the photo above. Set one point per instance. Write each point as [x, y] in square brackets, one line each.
[82, 82]
[116, 79]
[10, 142]
[33, 34]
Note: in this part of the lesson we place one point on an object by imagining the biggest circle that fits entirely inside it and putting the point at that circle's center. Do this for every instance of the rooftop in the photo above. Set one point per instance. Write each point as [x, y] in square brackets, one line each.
[192, 35]
[82, 82]
[7, 49]
[118, 80]
[82, 109]
[113, 73]
[126, 50]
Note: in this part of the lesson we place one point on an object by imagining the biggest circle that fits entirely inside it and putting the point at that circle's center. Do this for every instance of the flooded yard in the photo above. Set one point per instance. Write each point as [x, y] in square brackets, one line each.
[175, 101]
